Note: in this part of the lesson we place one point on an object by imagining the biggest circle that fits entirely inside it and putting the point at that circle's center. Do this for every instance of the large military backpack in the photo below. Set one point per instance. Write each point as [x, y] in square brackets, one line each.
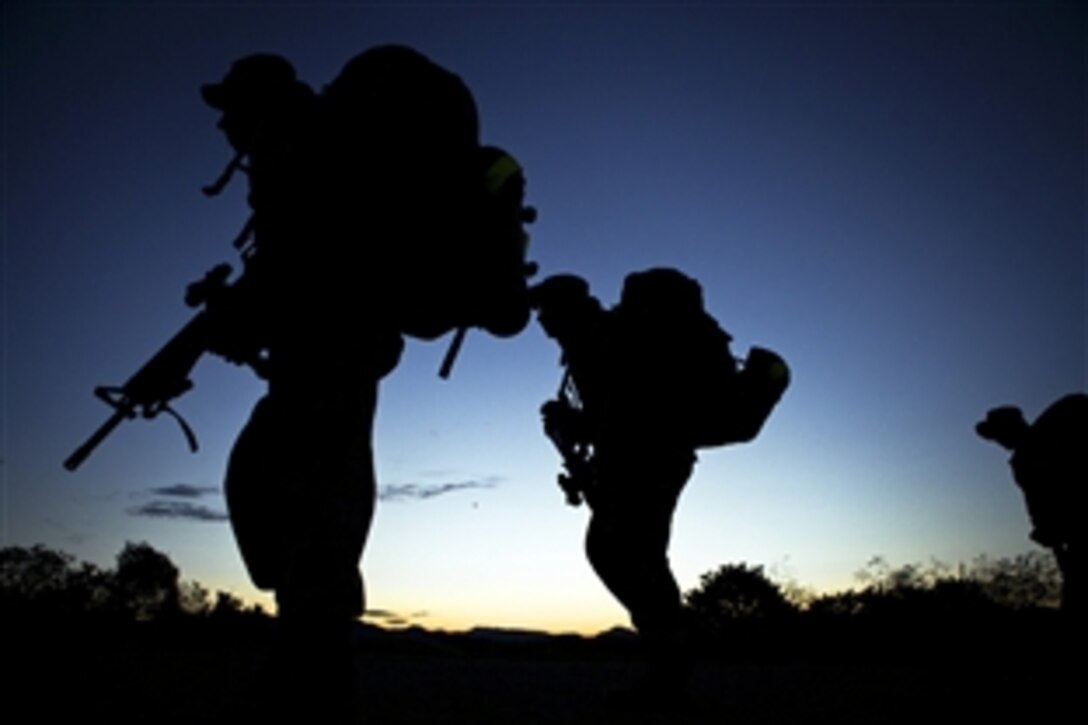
[440, 215]
[714, 399]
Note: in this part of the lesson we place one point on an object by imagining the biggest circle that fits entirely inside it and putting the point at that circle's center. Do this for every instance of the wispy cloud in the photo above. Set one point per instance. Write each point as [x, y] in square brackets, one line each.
[387, 618]
[185, 490]
[178, 510]
[417, 491]
[178, 501]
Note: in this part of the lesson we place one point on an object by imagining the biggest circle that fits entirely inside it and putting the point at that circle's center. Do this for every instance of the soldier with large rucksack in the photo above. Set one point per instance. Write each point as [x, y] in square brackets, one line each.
[691, 389]
[646, 383]
[377, 213]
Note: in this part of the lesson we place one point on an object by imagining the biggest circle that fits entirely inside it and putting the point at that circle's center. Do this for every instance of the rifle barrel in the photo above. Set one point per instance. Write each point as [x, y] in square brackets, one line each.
[73, 461]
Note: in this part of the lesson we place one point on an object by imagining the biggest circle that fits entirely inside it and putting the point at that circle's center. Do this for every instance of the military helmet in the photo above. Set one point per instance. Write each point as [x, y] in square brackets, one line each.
[253, 79]
[1004, 425]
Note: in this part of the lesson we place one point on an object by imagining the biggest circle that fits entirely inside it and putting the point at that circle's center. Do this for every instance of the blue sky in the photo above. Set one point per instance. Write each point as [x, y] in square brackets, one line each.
[891, 197]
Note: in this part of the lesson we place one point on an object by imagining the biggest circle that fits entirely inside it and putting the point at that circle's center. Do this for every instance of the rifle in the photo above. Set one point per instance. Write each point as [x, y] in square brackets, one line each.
[561, 425]
[165, 376]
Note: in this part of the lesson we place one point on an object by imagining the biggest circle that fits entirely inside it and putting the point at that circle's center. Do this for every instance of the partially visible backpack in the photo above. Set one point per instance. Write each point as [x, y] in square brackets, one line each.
[714, 400]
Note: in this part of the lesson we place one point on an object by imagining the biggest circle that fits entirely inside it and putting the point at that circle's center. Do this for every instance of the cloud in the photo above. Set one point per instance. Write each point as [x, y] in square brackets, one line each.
[393, 619]
[184, 490]
[165, 503]
[415, 491]
[178, 510]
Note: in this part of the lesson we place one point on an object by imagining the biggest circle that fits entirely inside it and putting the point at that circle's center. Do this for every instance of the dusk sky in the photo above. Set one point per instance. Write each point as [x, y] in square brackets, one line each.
[891, 197]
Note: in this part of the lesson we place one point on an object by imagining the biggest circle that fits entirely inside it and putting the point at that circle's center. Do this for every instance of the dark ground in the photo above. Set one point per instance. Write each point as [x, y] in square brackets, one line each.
[188, 676]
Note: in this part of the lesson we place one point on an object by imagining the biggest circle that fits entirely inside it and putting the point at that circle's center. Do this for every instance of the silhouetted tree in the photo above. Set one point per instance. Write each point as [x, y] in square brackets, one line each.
[45, 584]
[1027, 581]
[34, 571]
[92, 588]
[147, 582]
[34, 579]
[903, 591]
[838, 604]
[193, 598]
[737, 591]
[227, 605]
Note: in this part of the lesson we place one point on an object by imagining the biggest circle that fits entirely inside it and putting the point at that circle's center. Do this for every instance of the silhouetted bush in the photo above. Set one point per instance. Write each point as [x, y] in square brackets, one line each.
[737, 591]
[38, 582]
[1027, 581]
[147, 582]
[990, 608]
[911, 612]
[193, 598]
[41, 584]
[738, 610]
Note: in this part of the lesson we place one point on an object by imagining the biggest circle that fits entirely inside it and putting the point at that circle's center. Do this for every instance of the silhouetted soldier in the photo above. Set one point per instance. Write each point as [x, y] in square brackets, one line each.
[300, 483]
[1050, 465]
[353, 192]
[639, 465]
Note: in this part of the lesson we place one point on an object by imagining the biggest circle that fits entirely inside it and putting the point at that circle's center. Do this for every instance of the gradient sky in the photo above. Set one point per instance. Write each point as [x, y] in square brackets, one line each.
[893, 198]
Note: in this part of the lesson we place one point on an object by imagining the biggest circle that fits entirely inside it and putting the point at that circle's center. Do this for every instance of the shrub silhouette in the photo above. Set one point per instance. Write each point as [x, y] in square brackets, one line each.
[1027, 581]
[147, 582]
[737, 591]
[910, 611]
[38, 583]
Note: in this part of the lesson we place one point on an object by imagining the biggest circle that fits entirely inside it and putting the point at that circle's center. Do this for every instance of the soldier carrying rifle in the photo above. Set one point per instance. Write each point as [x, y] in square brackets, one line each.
[647, 382]
[625, 466]
[374, 217]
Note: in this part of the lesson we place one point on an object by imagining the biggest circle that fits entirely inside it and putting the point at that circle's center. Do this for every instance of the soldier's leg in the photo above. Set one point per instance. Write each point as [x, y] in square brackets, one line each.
[256, 498]
[628, 550]
[628, 538]
[301, 489]
[627, 544]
